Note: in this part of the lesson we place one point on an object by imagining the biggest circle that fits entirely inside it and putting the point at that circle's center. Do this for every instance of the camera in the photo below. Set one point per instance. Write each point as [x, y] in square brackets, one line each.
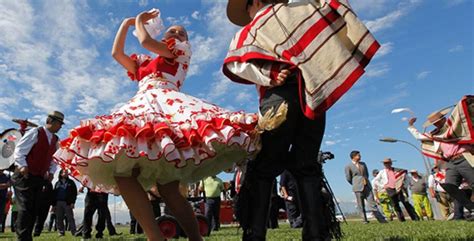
[324, 156]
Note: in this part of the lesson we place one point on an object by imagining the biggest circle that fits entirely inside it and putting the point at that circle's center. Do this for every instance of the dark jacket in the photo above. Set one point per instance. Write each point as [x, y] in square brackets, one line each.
[71, 192]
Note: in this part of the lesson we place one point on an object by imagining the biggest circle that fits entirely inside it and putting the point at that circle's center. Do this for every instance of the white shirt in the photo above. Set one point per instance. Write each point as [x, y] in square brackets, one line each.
[432, 183]
[382, 179]
[417, 135]
[377, 187]
[26, 143]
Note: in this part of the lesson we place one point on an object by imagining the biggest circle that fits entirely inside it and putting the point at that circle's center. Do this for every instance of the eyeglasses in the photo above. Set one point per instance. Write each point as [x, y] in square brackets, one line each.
[178, 32]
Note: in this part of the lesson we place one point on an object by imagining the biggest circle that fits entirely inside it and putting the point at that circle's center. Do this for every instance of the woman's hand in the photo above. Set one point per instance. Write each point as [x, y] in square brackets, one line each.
[129, 21]
[145, 16]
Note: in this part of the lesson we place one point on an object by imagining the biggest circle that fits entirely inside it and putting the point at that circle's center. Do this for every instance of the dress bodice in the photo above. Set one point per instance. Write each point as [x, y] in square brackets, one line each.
[160, 72]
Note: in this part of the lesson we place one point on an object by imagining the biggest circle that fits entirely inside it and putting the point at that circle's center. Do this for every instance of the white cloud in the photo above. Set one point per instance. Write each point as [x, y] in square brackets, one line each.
[330, 143]
[455, 2]
[99, 31]
[384, 49]
[58, 66]
[384, 22]
[457, 48]
[209, 47]
[393, 99]
[142, 3]
[371, 7]
[423, 74]
[376, 70]
[87, 105]
[182, 20]
[389, 19]
[219, 87]
[243, 96]
[196, 15]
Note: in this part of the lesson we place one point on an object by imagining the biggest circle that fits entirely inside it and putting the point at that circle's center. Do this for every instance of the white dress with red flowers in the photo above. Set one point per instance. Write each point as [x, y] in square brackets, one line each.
[169, 135]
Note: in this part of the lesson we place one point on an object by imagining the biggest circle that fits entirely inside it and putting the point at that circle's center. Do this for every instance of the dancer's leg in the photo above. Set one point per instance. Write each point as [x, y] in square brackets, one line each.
[181, 209]
[137, 200]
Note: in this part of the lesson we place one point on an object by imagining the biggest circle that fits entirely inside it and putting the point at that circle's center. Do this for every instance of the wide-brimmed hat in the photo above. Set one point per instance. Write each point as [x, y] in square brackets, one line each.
[413, 171]
[56, 115]
[436, 116]
[237, 11]
[387, 160]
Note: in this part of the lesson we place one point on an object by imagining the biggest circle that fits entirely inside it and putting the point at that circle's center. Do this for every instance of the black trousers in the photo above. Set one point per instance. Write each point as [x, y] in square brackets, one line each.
[293, 210]
[94, 201]
[3, 215]
[459, 207]
[135, 227]
[28, 193]
[304, 136]
[108, 218]
[213, 209]
[13, 219]
[43, 207]
[396, 198]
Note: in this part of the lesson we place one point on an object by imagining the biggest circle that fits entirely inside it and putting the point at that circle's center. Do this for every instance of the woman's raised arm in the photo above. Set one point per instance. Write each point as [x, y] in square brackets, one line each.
[146, 40]
[118, 47]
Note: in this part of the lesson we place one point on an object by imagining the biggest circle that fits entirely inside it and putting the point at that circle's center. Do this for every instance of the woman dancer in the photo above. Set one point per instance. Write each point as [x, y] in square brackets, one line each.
[161, 135]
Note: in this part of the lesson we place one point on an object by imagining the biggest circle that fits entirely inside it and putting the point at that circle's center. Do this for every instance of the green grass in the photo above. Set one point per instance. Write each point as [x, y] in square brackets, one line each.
[394, 231]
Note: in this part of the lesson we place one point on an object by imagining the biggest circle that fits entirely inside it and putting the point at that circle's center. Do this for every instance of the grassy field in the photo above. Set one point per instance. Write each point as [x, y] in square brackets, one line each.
[394, 231]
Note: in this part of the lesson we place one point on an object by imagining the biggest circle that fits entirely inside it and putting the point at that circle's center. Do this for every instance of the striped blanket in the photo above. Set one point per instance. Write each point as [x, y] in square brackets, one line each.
[457, 129]
[400, 178]
[325, 41]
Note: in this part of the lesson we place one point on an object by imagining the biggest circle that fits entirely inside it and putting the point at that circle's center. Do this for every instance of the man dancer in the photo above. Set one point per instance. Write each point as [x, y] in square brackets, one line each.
[357, 175]
[453, 150]
[294, 95]
[33, 159]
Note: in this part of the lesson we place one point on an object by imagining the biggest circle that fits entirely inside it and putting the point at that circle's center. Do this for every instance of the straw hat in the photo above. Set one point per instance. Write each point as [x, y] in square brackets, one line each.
[387, 160]
[56, 115]
[413, 171]
[237, 11]
[436, 116]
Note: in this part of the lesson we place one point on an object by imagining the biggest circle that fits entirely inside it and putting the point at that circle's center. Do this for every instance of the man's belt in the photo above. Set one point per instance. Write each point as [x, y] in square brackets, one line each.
[456, 157]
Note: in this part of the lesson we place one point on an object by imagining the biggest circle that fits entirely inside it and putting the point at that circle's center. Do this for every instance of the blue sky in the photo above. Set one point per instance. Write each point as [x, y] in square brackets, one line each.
[56, 55]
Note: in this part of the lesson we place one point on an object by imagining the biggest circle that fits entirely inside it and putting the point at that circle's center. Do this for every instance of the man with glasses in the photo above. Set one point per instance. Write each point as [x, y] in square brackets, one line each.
[33, 161]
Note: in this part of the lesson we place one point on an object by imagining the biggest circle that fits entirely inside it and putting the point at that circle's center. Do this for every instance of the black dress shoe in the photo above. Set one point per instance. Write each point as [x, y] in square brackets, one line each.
[99, 235]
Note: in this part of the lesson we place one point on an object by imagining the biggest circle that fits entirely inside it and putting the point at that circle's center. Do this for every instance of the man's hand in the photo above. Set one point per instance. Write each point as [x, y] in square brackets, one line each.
[281, 78]
[24, 171]
[411, 121]
[72, 205]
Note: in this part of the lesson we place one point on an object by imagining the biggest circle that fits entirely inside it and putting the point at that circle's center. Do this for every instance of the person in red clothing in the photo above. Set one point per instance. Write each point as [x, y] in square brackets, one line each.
[161, 135]
[33, 161]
